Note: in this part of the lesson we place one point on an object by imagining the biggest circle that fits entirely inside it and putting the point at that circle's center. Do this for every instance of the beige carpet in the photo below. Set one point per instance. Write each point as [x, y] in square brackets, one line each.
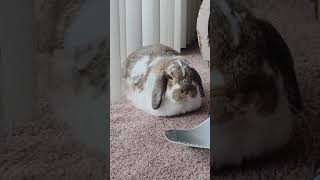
[139, 149]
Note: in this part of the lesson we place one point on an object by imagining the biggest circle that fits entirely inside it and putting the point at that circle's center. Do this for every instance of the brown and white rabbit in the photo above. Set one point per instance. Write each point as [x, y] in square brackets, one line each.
[255, 97]
[78, 74]
[160, 82]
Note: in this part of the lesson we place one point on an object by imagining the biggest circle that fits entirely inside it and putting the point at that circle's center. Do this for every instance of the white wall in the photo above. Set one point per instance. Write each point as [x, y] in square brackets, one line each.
[115, 56]
[150, 22]
[133, 25]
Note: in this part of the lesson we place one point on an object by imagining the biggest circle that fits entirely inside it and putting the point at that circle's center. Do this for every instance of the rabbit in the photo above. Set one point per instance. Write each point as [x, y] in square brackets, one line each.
[78, 73]
[255, 98]
[160, 82]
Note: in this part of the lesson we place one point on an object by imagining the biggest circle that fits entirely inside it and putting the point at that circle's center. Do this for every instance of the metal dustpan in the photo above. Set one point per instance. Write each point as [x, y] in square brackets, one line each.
[198, 136]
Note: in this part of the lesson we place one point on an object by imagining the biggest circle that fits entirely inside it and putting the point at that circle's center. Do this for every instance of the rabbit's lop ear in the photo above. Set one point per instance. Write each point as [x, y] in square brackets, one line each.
[197, 79]
[158, 90]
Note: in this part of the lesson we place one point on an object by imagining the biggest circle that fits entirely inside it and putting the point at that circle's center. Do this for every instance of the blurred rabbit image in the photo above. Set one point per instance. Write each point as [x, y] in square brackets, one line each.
[255, 97]
[77, 56]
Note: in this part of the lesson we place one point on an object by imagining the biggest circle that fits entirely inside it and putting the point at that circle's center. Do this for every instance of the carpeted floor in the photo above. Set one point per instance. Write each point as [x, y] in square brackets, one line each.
[139, 149]
[46, 150]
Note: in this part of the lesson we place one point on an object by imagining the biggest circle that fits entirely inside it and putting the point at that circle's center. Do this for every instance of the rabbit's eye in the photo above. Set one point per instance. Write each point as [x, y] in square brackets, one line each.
[170, 77]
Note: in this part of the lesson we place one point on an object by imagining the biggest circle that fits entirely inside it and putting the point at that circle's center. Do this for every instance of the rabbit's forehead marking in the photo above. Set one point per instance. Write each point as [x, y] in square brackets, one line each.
[183, 67]
[175, 71]
[178, 68]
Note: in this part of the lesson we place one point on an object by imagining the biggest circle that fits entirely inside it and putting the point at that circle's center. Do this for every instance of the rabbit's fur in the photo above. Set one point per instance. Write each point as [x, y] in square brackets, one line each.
[52, 19]
[59, 32]
[77, 55]
[254, 92]
[160, 82]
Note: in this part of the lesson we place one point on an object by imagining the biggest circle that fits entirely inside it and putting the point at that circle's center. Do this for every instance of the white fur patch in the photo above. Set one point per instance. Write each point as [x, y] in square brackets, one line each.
[140, 69]
[182, 67]
[171, 90]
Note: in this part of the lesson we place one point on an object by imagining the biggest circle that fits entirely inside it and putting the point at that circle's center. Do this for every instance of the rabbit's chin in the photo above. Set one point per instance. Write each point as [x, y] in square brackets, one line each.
[168, 107]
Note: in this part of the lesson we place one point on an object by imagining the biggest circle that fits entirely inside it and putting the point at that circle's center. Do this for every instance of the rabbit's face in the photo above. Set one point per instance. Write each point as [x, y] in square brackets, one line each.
[177, 80]
[180, 81]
